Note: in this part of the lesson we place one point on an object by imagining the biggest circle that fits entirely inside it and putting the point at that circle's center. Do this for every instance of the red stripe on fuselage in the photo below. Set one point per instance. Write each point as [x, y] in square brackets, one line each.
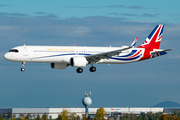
[135, 54]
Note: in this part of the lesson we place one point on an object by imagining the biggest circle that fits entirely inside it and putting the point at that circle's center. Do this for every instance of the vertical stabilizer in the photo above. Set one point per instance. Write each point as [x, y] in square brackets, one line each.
[154, 39]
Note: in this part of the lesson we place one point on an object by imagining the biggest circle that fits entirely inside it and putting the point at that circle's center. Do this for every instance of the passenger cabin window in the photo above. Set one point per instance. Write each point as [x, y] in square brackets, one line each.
[14, 50]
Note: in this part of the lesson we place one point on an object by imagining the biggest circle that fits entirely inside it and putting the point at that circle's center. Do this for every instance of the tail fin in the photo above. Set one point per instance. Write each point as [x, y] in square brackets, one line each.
[154, 39]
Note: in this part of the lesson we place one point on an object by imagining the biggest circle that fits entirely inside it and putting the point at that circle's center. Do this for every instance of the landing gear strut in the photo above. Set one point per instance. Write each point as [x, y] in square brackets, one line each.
[79, 70]
[23, 64]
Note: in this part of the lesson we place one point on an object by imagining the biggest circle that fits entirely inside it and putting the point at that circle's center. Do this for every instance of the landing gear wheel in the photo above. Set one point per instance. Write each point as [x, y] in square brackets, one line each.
[23, 64]
[22, 69]
[79, 70]
[92, 69]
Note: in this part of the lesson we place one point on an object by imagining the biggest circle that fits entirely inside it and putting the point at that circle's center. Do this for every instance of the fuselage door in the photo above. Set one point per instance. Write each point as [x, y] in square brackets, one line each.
[25, 51]
[76, 52]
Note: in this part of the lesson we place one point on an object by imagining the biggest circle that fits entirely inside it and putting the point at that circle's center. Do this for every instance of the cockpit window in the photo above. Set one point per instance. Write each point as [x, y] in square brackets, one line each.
[14, 50]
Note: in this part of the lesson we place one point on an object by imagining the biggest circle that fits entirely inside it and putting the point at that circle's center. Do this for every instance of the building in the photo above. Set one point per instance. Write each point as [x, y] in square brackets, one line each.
[53, 112]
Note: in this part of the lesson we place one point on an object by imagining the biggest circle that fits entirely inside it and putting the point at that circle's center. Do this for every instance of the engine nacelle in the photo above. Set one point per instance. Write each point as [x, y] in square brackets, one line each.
[58, 65]
[78, 62]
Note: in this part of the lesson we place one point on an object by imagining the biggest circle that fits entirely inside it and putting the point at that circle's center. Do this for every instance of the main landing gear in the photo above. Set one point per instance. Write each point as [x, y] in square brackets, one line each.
[23, 64]
[91, 69]
[79, 70]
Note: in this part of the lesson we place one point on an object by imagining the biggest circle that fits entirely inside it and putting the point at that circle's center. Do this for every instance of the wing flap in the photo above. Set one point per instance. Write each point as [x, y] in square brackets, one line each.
[97, 57]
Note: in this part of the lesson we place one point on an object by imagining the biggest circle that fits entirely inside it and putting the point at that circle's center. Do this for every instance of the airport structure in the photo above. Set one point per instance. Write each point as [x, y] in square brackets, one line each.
[86, 101]
[111, 111]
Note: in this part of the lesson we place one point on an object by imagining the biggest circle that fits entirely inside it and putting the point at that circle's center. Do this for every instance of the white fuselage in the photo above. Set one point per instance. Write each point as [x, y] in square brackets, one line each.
[63, 54]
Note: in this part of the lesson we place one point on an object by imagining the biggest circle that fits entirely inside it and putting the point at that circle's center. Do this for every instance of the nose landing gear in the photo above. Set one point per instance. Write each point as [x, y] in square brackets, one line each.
[23, 64]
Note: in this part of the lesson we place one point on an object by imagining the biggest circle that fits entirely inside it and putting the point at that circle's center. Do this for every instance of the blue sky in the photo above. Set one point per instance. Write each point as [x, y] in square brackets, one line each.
[89, 23]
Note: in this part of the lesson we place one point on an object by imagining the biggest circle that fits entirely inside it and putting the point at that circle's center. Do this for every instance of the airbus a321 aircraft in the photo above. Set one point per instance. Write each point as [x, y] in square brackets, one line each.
[61, 57]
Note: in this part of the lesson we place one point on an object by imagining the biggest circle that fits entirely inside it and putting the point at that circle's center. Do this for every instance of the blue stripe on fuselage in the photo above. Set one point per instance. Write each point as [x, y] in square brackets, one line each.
[115, 58]
[125, 59]
[132, 52]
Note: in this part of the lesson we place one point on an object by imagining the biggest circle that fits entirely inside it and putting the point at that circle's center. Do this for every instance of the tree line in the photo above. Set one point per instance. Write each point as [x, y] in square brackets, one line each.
[151, 116]
[101, 114]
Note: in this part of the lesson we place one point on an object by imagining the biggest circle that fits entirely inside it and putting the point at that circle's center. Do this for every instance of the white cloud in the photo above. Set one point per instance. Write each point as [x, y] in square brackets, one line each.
[80, 31]
[8, 28]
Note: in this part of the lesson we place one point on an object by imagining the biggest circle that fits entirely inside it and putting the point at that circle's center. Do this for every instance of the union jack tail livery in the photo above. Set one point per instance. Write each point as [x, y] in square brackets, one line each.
[154, 39]
[152, 43]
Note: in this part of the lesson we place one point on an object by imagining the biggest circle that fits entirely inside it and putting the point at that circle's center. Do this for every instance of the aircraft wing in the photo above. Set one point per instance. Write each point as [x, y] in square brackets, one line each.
[97, 57]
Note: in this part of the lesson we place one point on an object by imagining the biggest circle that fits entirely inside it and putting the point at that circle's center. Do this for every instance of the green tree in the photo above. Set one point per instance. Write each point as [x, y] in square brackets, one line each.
[65, 114]
[38, 117]
[59, 117]
[23, 118]
[158, 115]
[152, 116]
[73, 116]
[139, 117]
[9, 115]
[78, 117]
[176, 113]
[50, 117]
[100, 113]
[124, 117]
[1, 116]
[142, 114]
[44, 116]
[14, 117]
[132, 116]
[168, 117]
[146, 117]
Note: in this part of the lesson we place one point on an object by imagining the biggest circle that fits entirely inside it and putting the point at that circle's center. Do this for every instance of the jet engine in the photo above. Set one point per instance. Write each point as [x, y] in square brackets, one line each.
[78, 62]
[58, 65]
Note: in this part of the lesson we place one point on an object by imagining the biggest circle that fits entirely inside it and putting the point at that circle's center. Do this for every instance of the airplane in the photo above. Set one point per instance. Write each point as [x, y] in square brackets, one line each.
[60, 57]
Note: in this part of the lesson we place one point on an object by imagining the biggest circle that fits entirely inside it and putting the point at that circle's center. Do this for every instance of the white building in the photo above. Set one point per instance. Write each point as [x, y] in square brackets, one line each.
[53, 112]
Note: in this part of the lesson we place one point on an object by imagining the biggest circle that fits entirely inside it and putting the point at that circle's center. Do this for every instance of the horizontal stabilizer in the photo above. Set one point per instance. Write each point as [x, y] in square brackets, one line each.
[159, 53]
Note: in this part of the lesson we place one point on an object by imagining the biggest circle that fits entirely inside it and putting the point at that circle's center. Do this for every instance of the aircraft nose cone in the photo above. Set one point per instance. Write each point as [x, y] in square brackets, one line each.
[6, 56]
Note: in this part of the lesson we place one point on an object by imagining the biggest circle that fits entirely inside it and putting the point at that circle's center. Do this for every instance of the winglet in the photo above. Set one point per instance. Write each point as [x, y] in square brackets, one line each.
[134, 42]
[75, 45]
